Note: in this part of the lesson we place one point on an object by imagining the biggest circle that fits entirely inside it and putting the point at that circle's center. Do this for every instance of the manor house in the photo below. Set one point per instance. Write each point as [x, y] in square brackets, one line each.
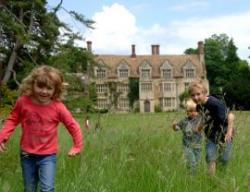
[161, 78]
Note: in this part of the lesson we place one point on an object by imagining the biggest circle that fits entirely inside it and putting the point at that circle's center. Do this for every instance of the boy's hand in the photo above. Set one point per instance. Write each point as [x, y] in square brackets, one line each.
[2, 147]
[228, 136]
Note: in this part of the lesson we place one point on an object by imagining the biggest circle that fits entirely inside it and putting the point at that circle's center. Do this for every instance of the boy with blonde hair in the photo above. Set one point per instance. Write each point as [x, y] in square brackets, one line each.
[192, 137]
[218, 125]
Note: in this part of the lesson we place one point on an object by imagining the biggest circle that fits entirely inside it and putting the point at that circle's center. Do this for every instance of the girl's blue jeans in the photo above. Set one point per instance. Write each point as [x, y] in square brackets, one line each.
[38, 169]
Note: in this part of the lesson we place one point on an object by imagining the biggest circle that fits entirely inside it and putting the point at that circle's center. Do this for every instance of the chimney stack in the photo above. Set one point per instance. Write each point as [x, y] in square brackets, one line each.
[200, 47]
[155, 49]
[158, 49]
[89, 46]
[133, 54]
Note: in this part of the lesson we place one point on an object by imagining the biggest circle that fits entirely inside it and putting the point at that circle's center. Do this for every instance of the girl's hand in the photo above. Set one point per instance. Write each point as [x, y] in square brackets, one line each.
[73, 152]
[2, 147]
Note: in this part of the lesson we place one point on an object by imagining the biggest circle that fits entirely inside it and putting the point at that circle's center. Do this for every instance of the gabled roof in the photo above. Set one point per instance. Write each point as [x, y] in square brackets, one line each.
[176, 61]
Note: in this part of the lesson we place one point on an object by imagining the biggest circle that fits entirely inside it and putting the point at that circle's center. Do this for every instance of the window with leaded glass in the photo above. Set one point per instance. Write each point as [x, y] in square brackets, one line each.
[100, 73]
[146, 87]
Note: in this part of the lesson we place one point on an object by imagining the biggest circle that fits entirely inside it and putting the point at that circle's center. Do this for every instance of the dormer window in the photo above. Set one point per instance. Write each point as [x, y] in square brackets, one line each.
[145, 70]
[145, 73]
[189, 70]
[101, 71]
[166, 71]
[123, 70]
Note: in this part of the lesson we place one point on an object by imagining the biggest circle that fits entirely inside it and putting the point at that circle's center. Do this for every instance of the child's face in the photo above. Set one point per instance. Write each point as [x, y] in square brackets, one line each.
[198, 96]
[43, 93]
[192, 113]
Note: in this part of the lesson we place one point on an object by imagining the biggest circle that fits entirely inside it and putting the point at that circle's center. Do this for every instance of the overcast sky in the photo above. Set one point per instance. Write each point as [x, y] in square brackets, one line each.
[173, 24]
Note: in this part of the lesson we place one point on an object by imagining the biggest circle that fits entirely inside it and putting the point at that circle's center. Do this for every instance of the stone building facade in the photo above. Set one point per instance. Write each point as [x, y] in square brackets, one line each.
[162, 78]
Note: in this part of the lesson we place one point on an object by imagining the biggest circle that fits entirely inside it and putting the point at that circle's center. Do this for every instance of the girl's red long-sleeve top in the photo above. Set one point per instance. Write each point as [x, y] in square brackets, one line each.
[39, 126]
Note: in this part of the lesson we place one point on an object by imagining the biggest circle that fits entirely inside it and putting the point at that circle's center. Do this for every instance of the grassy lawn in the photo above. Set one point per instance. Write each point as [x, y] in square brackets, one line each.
[134, 153]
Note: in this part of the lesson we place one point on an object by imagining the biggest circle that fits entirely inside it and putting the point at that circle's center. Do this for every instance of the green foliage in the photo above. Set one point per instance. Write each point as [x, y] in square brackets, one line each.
[81, 18]
[238, 90]
[7, 98]
[158, 108]
[221, 60]
[79, 102]
[77, 97]
[191, 51]
[75, 85]
[225, 71]
[30, 34]
[133, 94]
[92, 93]
[72, 59]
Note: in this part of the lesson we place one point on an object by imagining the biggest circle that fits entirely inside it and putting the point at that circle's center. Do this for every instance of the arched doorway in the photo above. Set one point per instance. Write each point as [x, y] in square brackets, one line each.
[146, 106]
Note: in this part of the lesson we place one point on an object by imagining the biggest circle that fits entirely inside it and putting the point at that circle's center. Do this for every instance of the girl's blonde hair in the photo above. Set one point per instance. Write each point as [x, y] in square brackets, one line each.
[44, 76]
[197, 85]
[190, 105]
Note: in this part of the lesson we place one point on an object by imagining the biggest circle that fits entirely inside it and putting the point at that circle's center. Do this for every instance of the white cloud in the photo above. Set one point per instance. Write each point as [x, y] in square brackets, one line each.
[116, 30]
[236, 26]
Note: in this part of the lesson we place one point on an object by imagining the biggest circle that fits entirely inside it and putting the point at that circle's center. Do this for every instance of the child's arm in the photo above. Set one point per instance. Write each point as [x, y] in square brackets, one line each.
[9, 125]
[229, 134]
[200, 124]
[176, 125]
[2, 147]
[73, 128]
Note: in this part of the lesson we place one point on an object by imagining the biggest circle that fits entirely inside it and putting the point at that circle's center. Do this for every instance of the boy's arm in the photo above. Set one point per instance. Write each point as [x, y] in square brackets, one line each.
[230, 119]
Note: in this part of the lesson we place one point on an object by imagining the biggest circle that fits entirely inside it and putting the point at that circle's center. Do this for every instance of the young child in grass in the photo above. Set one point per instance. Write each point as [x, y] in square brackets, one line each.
[218, 125]
[87, 123]
[39, 111]
[191, 127]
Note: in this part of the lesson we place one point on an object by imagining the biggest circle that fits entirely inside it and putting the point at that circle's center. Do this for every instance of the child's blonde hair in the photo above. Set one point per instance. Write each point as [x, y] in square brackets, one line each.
[45, 76]
[190, 105]
[197, 85]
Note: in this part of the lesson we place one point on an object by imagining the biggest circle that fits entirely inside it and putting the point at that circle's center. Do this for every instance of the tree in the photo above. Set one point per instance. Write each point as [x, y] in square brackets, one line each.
[238, 90]
[29, 35]
[71, 58]
[190, 51]
[227, 74]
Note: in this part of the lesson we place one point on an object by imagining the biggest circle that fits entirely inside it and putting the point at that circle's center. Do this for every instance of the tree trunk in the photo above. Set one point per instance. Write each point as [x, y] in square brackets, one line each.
[11, 62]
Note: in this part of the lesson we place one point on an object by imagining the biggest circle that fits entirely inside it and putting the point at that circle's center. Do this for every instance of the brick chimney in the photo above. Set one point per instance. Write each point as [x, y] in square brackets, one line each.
[158, 49]
[200, 47]
[89, 46]
[155, 49]
[133, 54]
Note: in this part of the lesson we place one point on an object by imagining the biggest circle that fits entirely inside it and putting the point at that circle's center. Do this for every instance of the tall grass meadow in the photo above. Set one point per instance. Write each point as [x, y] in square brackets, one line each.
[134, 153]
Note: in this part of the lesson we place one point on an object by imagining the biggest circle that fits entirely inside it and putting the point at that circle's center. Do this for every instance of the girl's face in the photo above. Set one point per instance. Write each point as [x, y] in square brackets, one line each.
[198, 96]
[42, 94]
